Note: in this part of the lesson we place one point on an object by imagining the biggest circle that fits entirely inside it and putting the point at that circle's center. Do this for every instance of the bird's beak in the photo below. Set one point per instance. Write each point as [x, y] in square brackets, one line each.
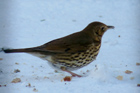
[110, 27]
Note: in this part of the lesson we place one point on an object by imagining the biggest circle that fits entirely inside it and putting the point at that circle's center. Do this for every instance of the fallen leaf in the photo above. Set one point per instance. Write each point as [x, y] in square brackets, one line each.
[67, 78]
[16, 70]
[119, 77]
[128, 72]
[138, 64]
[138, 85]
[1, 58]
[35, 90]
[16, 80]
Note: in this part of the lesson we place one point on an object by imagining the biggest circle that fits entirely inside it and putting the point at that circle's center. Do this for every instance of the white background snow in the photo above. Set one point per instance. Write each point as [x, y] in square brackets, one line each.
[29, 23]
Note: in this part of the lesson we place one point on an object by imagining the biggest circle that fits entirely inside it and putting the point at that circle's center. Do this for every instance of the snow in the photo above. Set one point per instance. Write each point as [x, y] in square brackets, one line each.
[32, 23]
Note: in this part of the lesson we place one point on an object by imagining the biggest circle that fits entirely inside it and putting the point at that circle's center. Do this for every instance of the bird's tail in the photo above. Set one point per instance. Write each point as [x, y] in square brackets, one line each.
[16, 50]
[27, 50]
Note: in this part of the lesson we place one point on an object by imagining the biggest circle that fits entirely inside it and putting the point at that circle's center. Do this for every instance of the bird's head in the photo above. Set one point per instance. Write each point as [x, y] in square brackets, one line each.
[97, 29]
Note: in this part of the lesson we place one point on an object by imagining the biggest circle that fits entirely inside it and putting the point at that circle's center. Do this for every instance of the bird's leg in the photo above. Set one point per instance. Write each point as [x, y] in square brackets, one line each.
[73, 74]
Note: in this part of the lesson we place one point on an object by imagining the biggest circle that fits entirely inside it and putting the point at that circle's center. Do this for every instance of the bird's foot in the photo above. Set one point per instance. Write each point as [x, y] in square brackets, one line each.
[73, 74]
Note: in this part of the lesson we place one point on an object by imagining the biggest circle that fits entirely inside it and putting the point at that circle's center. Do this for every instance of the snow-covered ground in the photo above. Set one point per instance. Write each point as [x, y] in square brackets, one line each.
[29, 23]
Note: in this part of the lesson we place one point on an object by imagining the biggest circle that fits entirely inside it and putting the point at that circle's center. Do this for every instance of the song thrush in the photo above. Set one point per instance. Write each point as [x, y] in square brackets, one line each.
[70, 52]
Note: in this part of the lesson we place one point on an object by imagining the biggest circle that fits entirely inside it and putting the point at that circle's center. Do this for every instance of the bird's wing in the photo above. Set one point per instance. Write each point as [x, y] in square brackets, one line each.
[73, 43]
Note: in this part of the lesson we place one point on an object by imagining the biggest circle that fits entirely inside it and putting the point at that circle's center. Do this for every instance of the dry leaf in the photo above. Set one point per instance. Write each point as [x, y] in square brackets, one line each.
[29, 85]
[67, 78]
[138, 64]
[138, 85]
[128, 72]
[16, 70]
[1, 58]
[16, 80]
[119, 77]
[35, 90]
[132, 78]
[17, 63]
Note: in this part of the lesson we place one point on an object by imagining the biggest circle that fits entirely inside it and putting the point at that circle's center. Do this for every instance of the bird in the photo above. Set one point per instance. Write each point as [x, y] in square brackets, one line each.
[70, 52]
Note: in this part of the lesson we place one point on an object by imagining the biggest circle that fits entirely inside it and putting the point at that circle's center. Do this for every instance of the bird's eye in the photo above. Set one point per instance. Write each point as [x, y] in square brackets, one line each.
[102, 28]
